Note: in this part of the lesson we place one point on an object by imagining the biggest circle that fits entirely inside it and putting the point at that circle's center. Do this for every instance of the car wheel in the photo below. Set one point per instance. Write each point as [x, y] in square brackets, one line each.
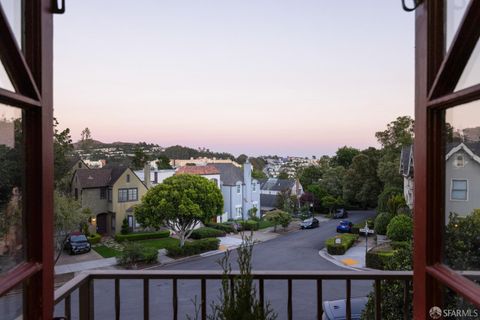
[71, 252]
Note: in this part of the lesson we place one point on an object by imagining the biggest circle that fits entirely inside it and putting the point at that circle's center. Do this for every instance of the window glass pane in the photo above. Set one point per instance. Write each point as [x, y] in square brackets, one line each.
[462, 187]
[11, 188]
[11, 304]
[456, 307]
[13, 10]
[5, 82]
[471, 73]
[455, 11]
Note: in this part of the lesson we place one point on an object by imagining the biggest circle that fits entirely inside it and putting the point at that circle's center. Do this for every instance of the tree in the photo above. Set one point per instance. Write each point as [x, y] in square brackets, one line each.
[181, 202]
[332, 181]
[287, 202]
[329, 202]
[399, 133]
[361, 185]
[163, 163]
[310, 175]
[278, 217]
[125, 227]
[462, 241]
[241, 159]
[388, 171]
[283, 175]
[139, 159]
[62, 149]
[86, 140]
[344, 156]
[258, 174]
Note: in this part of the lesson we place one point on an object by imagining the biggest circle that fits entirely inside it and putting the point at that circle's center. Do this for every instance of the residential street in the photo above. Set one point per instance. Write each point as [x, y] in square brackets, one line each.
[297, 250]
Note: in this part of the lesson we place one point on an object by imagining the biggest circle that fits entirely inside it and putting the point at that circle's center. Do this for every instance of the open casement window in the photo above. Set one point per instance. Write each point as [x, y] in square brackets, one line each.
[26, 159]
[447, 117]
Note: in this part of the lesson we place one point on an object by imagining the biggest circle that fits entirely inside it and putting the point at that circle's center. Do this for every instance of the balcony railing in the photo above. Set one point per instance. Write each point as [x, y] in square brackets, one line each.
[84, 283]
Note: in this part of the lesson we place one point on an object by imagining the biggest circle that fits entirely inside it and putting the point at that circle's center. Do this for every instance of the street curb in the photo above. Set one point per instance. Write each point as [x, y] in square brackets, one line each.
[324, 254]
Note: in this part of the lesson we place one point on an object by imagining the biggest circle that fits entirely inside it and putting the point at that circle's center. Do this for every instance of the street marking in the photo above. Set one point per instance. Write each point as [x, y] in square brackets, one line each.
[349, 261]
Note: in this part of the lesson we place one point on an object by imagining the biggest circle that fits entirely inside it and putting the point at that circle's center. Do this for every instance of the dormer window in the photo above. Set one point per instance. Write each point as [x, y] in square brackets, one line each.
[460, 161]
[239, 188]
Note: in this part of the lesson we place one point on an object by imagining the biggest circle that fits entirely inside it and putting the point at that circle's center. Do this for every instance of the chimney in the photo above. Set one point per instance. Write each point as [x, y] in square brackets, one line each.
[146, 175]
[247, 172]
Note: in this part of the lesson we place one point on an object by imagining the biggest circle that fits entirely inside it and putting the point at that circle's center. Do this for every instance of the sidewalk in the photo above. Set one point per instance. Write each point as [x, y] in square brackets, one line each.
[354, 258]
[87, 265]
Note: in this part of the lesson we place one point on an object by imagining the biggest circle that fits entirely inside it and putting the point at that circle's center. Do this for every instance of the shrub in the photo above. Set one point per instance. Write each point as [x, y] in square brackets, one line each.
[378, 259]
[401, 245]
[225, 227]
[205, 232]
[338, 249]
[134, 252]
[386, 194]
[125, 227]
[249, 225]
[194, 247]
[381, 222]
[278, 217]
[142, 236]
[94, 238]
[462, 241]
[400, 228]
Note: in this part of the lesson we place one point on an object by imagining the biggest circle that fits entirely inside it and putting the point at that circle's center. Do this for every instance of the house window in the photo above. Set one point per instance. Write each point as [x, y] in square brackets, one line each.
[239, 212]
[109, 195]
[459, 190]
[133, 194]
[239, 188]
[460, 161]
[103, 193]
[122, 195]
[76, 194]
[254, 186]
[128, 178]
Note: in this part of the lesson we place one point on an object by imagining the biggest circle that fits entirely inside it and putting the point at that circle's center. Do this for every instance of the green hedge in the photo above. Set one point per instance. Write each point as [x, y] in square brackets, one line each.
[205, 232]
[398, 245]
[357, 226]
[194, 247]
[381, 222]
[142, 236]
[249, 225]
[338, 249]
[94, 238]
[225, 227]
[134, 252]
[400, 228]
[379, 259]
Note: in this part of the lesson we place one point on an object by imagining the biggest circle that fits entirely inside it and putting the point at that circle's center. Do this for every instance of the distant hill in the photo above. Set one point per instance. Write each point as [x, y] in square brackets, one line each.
[472, 134]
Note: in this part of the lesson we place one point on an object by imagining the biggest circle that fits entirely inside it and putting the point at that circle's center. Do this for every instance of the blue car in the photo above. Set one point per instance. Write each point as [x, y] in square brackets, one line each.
[345, 226]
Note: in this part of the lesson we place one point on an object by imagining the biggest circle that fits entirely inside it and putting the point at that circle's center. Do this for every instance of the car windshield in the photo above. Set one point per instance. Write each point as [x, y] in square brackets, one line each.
[78, 238]
[344, 222]
[308, 220]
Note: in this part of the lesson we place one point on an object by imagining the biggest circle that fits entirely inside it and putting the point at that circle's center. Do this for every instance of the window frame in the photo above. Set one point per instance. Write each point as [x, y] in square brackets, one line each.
[452, 182]
[437, 71]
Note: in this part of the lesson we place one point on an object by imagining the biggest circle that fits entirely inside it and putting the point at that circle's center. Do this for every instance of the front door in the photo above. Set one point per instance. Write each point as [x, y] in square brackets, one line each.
[102, 223]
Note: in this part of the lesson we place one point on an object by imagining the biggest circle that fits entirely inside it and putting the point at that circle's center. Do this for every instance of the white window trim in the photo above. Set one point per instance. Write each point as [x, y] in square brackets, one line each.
[456, 161]
[239, 188]
[237, 213]
[451, 190]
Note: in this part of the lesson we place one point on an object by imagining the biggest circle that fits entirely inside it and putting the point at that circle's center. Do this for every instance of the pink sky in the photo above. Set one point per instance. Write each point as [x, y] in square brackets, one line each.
[258, 77]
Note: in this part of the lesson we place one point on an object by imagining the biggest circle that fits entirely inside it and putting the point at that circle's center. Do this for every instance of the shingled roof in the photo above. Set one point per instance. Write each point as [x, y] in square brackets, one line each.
[198, 170]
[273, 184]
[98, 178]
[229, 174]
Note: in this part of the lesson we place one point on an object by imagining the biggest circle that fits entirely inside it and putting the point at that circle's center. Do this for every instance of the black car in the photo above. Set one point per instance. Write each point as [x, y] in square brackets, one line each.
[77, 243]
[340, 214]
[309, 223]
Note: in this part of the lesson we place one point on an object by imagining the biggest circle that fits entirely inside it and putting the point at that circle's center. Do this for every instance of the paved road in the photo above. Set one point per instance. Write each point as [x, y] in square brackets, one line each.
[295, 251]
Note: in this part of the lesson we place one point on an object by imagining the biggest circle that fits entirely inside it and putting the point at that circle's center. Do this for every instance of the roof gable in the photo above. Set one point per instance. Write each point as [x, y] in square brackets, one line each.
[229, 174]
[273, 184]
[472, 149]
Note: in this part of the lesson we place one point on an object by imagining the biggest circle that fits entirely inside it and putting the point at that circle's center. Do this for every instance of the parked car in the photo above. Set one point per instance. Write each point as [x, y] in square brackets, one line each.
[336, 310]
[344, 226]
[340, 214]
[77, 243]
[309, 223]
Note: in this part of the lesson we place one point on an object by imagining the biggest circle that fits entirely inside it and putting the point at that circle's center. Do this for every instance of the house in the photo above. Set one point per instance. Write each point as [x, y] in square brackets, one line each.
[462, 177]
[111, 194]
[156, 176]
[240, 192]
[271, 188]
[177, 163]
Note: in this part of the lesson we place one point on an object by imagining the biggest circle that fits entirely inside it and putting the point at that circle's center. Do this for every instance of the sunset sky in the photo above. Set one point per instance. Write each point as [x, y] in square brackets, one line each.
[287, 77]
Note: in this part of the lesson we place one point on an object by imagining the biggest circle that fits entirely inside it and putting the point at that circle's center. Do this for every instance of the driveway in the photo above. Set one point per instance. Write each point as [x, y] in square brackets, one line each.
[293, 251]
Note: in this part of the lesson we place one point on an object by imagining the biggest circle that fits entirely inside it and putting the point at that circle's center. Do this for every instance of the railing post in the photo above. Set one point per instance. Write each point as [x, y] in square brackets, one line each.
[348, 302]
[117, 299]
[261, 292]
[175, 299]
[68, 307]
[405, 300]
[204, 298]
[378, 299]
[319, 299]
[146, 299]
[85, 305]
[290, 301]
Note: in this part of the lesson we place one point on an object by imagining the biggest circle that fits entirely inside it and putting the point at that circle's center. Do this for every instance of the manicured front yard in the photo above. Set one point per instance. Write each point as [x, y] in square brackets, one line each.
[163, 243]
[106, 252]
[263, 224]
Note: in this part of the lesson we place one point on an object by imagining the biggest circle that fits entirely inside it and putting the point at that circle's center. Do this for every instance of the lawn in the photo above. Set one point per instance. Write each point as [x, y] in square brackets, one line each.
[262, 224]
[106, 252]
[163, 243]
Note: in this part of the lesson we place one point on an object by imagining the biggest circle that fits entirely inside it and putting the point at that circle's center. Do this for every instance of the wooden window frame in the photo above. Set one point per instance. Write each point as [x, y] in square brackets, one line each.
[437, 72]
[31, 71]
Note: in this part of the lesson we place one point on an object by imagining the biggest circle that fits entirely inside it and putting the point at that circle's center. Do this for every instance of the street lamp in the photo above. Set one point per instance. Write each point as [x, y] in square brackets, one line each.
[311, 208]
